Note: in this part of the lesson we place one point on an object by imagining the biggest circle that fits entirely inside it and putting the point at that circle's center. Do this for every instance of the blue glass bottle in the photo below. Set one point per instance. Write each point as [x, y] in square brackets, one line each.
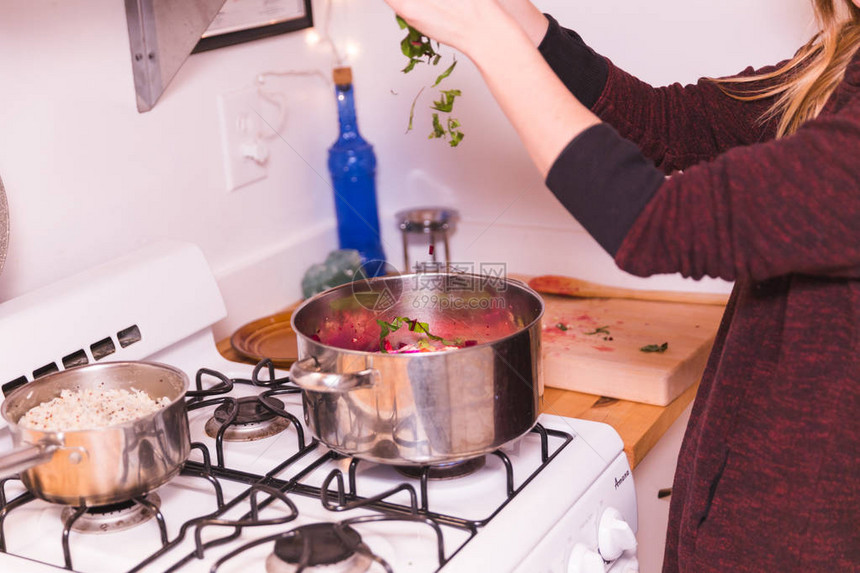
[352, 165]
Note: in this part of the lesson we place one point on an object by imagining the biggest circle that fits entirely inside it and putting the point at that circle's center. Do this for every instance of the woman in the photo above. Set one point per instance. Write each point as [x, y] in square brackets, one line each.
[768, 478]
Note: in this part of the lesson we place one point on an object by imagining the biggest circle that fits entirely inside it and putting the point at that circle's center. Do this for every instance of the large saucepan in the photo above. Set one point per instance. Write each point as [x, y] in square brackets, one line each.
[102, 465]
[429, 408]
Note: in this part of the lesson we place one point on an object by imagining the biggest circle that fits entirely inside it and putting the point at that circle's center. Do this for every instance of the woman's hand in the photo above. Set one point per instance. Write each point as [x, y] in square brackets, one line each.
[542, 110]
[452, 22]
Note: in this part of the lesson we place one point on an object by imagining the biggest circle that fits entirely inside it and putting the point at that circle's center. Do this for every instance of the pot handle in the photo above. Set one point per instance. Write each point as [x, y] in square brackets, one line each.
[26, 457]
[306, 374]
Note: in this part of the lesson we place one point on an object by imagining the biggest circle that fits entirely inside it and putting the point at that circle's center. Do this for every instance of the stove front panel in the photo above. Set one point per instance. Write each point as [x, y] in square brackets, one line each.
[469, 519]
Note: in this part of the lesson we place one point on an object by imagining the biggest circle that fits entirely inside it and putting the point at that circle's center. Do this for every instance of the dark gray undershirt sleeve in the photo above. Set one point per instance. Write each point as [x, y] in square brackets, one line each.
[583, 71]
[604, 181]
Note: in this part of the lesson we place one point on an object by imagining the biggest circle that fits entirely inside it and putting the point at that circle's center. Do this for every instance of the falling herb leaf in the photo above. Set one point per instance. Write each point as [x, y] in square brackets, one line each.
[420, 49]
[454, 131]
[444, 75]
[655, 347]
[446, 102]
[438, 130]
[450, 129]
[412, 110]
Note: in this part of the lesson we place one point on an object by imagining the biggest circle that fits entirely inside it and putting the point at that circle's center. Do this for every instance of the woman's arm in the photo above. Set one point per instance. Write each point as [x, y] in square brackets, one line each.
[787, 206]
[675, 126]
[679, 126]
[553, 95]
[758, 211]
[531, 20]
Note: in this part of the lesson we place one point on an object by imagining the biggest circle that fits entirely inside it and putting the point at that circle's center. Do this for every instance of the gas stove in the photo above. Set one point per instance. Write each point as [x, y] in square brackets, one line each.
[258, 492]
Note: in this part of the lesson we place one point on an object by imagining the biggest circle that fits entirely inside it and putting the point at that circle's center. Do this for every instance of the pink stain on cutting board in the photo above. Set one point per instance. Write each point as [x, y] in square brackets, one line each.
[553, 334]
[604, 348]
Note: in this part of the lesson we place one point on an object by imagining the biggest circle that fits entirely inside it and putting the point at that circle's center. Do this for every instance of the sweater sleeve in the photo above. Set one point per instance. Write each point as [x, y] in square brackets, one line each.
[678, 126]
[581, 69]
[787, 206]
[675, 126]
[605, 182]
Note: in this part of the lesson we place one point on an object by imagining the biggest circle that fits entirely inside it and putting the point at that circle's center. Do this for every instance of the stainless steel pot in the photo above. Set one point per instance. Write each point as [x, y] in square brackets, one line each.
[428, 408]
[102, 465]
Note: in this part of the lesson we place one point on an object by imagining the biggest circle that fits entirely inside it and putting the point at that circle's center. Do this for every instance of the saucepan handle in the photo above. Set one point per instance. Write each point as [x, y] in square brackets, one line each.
[308, 375]
[26, 457]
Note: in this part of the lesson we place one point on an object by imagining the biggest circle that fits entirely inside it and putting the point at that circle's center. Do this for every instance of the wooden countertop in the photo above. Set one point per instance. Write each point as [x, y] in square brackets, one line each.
[639, 425]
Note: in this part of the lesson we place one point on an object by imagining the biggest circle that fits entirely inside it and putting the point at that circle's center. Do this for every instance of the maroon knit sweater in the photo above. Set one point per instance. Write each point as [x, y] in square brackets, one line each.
[768, 478]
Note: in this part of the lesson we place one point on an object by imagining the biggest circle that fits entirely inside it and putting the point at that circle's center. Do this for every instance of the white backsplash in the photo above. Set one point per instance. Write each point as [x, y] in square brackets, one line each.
[89, 178]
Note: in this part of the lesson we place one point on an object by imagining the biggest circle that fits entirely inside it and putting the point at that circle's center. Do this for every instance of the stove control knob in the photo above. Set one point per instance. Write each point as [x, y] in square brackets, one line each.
[584, 560]
[614, 535]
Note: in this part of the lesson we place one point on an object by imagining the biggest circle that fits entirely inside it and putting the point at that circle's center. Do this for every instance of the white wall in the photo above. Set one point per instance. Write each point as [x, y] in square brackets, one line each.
[89, 178]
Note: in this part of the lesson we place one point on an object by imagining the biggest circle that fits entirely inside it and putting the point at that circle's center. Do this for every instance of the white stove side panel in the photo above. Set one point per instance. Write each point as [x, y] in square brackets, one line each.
[579, 472]
[579, 525]
[166, 291]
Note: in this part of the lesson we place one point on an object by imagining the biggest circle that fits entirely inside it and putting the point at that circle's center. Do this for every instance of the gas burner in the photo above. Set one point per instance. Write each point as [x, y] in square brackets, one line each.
[451, 470]
[113, 517]
[319, 548]
[253, 422]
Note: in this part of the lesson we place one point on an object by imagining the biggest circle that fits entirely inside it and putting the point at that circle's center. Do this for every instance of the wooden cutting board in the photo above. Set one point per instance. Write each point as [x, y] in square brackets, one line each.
[592, 345]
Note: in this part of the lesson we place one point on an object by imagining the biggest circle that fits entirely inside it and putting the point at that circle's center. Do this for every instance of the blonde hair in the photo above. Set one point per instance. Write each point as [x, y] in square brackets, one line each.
[803, 84]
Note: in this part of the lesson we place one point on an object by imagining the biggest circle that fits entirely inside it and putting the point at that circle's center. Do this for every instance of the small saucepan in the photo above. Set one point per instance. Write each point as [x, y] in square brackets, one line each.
[103, 465]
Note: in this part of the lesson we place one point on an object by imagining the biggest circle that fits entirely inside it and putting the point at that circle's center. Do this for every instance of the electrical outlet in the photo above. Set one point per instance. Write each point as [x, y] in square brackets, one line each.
[245, 152]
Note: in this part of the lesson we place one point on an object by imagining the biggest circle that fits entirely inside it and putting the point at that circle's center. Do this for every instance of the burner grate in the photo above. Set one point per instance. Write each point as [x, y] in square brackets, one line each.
[248, 418]
[104, 519]
[339, 491]
[115, 517]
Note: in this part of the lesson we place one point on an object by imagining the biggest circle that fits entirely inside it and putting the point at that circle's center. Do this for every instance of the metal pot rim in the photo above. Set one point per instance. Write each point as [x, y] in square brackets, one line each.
[50, 378]
[515, 282]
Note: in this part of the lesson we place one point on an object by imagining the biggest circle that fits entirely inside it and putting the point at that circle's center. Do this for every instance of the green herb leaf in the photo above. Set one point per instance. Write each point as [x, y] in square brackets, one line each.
[444, 74]
[386, 328]
[655, 347]
[453, 130]
[599, 330]
[412, 110]
[419, 48]
[416, 46]
[438, 130]
[561, 326]
[446, 102]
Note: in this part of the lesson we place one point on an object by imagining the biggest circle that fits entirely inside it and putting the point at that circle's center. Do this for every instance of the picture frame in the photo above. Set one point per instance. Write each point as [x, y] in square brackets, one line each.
[241, 21]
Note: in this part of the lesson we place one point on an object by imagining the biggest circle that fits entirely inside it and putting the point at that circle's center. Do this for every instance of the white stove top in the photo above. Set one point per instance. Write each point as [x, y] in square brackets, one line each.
[530, 519]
